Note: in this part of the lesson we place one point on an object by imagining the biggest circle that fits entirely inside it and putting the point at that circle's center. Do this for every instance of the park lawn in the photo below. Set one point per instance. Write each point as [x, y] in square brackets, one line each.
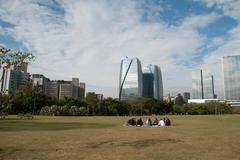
[215, 137]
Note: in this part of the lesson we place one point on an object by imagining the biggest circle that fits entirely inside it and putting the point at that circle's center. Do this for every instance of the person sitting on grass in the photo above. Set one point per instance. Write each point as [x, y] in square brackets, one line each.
[131, 122]
[139, 122]
[149, 122]
[161, 123]
[168, 122]
[155, 122]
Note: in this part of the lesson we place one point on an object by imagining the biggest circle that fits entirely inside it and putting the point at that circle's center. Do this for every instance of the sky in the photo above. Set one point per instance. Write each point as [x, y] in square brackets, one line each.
[88, 38]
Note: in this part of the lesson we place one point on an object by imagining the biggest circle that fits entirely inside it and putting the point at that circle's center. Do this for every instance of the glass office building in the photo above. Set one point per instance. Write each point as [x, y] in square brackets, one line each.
[148, 78]
[208, 85]
[152, 82]
[131, 79]
[231, 74]
[202, 85]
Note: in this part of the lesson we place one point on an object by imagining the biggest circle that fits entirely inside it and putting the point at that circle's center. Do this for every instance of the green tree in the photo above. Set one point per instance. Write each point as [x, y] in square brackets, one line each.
[179, 100]
[9, 58]
[92, 102]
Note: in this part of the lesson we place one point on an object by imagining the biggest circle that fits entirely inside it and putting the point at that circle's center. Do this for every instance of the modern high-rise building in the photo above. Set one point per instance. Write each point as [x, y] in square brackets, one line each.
[148, 85]
[39, 82]
[65, 89]
[13, 78]
[81, 90]
[231, 74]
[52, 88]
[131, 79]
[75, 87]
[152, 82]
[202, 85]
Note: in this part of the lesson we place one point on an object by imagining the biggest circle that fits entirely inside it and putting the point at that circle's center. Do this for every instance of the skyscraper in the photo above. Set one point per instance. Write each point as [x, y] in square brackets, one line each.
[75, 87]
[202, 85]
[52, 88]
[81, 90]
[13, 78]
[131, 79]
[152, 82]
[231, 74]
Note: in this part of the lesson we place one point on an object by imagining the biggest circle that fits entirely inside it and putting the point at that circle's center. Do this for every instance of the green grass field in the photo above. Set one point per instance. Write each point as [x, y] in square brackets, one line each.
[94, 138]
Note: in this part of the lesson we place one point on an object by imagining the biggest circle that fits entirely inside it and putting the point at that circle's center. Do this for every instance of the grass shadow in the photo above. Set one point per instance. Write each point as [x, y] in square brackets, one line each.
[135, 144]
[33, 125]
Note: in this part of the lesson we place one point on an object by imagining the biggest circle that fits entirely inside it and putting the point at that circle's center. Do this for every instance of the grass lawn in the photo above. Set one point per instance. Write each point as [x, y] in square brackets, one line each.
[94, 138]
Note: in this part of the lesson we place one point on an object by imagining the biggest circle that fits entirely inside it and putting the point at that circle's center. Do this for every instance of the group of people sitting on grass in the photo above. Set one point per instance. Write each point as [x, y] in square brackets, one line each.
[149, 122]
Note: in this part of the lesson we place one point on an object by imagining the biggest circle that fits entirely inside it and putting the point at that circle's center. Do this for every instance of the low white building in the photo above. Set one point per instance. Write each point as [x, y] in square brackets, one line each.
[202, 100]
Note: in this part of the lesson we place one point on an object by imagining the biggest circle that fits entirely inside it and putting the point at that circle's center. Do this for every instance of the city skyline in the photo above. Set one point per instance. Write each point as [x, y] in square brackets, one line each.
[87, 39]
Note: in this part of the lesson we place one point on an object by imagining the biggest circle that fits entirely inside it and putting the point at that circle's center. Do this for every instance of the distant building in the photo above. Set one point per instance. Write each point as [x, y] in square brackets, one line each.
[152, 82]
[231, 75]
[52, 88]
[65, 89]
[99, 97]
[131, 81]
[39, 82]
[203, 100]
[75, 87]
[81, 90]
[13, 78]
[148, 85]
[202, 85]
[186, 96]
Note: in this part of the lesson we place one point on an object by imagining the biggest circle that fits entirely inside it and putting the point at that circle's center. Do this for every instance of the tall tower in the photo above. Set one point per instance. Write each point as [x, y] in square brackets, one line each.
[202, 85]
[131, 79]
[152, 82]
[231, 74]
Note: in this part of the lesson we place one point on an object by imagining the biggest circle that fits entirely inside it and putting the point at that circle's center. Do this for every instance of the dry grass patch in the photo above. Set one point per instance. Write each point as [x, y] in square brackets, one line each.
[190, 137]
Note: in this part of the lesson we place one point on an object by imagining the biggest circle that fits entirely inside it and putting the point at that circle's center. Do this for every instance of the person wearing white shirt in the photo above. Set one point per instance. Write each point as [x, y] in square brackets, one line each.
[161, 123]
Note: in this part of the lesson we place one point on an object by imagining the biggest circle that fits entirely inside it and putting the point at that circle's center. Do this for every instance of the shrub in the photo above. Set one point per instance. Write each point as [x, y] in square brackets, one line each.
[47, 111]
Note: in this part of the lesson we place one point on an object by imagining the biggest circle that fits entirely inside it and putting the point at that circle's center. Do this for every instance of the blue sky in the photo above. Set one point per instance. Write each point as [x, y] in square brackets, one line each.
[88, 39]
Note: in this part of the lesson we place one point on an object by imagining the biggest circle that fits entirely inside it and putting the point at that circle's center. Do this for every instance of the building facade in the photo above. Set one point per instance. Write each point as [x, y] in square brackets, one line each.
[81, 90]
[13, 78]
[131, 79]
[231, 75]
[202, 85]
[148, 85]
[186, 96]
[65, 89]
[152, 82]
[39, 82]
[52, 89]
[75, 87]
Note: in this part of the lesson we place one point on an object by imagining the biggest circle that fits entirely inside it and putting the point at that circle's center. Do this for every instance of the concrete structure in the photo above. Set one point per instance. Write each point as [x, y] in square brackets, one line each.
[131, 79]
[231, 75]
[202, 85]
[65, 89]
[75, 87]
[202, 100]
[13, 78]
[39, 82]
[52, 88]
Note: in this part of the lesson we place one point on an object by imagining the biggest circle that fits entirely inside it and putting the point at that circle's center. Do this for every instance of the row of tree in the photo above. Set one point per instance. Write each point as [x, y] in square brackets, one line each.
[35, 102]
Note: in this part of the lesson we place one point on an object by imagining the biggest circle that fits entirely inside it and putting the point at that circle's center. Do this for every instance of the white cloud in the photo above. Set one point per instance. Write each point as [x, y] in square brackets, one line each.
[225, 46]
[91, 37]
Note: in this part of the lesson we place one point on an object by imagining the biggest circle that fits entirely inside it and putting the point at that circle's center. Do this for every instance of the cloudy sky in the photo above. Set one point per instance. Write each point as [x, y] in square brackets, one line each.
[88, 38]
